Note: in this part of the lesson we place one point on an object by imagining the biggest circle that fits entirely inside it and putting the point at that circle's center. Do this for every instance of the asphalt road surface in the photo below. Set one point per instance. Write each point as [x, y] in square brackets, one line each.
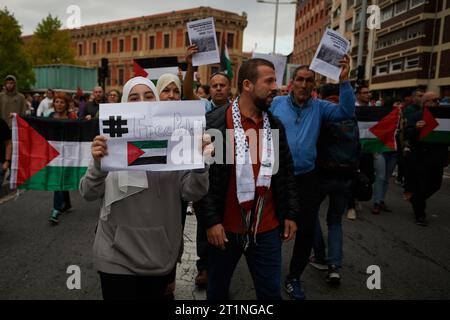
[414, 261]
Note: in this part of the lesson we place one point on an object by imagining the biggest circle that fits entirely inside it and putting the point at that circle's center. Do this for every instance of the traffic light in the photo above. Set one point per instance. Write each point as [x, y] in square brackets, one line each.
[104, 68]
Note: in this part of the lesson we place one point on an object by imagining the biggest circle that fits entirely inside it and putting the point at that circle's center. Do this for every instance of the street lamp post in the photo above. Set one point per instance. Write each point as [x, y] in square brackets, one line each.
[276, 3]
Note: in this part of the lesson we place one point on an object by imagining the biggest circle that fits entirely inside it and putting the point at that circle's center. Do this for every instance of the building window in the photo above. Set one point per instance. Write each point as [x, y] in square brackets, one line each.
[151, 42]
[214, 69]
[94, 48]
[230, 40]
[121, 76]
[415, 3]
[396, 66]
[121, 46]
[348, 25]
[80, 49]
[386, 14]
[412, 62]
[219, 39]
[166, 41]
[382, 69]
[337, 12]
[415, 31]
[108, 46]
[135, 44]
[400, 7]
[186, 39]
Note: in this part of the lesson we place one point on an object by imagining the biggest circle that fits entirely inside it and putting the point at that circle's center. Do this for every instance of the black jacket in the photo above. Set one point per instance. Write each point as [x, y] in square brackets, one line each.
[211, 208]
[425, 153]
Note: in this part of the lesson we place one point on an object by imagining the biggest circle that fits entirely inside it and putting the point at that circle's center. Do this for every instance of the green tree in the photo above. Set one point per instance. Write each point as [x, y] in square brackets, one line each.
[50, 44]
[13, 59]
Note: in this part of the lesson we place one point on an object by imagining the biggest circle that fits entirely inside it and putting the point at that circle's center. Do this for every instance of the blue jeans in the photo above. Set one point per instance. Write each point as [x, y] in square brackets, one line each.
[384, 165]
[263, 260]
[61, 200]
[339, 193]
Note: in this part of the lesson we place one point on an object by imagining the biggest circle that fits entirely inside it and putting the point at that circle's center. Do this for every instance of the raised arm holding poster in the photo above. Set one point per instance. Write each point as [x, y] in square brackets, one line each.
[331, 50]
[153, 136]
[203, 34]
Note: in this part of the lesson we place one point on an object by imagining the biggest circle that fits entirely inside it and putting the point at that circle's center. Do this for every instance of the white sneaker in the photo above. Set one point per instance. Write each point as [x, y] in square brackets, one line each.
[351, 214]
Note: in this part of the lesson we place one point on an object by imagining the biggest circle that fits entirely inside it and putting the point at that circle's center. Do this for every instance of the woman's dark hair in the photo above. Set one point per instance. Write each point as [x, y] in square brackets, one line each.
[205, 88]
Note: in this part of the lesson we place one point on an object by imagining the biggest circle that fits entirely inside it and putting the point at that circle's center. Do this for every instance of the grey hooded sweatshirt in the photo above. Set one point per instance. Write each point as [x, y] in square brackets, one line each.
[142, 234]
[12, 102]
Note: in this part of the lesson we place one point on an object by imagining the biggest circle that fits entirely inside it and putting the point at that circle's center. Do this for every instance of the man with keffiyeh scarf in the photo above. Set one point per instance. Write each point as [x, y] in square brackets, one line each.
[251, 207]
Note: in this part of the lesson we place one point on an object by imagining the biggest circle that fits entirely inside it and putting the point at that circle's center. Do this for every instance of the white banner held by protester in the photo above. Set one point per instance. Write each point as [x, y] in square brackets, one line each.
[153, 136]
[331, 50]
[278, 60]
[203, 34]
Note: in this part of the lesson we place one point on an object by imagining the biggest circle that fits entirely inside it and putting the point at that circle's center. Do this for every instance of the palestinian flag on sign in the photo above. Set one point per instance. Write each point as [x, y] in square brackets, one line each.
[147, 152]
[377, 128]
[437, 127]
[50, 154]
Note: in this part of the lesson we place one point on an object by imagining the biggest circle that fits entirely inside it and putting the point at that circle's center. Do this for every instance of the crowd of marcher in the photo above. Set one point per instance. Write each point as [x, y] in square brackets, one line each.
[241, 208]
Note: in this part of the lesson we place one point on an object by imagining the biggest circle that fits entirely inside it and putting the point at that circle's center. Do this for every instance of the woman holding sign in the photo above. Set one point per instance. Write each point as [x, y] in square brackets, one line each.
[168, 88]
[139, 232]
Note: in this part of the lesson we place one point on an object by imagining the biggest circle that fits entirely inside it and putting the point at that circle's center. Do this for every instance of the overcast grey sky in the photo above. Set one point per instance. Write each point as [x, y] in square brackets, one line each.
[259, 31]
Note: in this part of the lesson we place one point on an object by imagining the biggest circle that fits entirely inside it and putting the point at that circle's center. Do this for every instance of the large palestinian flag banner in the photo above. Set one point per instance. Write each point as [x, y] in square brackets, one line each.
[50, 154]
[153, 68]
[377, 128]
[437, 128]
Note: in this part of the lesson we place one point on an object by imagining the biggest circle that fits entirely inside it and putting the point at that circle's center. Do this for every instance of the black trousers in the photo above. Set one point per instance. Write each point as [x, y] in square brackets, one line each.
[202, 247]
[308, 193]
[428, 181]
[130, 287]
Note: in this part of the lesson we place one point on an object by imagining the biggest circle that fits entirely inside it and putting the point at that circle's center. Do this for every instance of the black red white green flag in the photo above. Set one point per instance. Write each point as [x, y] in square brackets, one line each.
[50, 154]
[147, 152]
[225, 60]
[437, 128]
[377, 128]
[153, 68]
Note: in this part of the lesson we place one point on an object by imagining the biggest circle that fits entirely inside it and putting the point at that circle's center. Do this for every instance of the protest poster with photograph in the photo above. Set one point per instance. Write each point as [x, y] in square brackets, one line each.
[331, 50]
[203, 34]
[153, 136]
[278, 60]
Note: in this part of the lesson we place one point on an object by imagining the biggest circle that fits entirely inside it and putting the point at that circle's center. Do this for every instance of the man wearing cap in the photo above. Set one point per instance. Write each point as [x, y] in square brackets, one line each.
[11, 101]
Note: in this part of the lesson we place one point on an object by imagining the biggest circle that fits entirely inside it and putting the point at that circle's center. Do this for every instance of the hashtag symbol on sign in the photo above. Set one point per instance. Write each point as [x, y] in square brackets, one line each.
[115, 128]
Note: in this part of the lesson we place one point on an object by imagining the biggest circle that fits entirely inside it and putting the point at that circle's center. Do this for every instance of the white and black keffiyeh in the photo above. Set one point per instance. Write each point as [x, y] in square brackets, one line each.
[245, 182]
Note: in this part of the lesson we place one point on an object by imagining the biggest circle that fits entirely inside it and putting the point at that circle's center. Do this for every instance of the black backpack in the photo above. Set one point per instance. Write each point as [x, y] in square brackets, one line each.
[339, 149]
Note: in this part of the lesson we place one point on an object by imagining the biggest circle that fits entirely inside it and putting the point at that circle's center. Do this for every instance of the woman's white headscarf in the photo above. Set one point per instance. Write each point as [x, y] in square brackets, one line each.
[165, 80]
[122, 184]
[135, 81]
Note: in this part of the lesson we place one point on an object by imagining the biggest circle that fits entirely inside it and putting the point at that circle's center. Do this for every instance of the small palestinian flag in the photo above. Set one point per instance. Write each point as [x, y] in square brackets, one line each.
[225, 60]
[50, 154]
[147, 152]
[437, 127]
[377, 128]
